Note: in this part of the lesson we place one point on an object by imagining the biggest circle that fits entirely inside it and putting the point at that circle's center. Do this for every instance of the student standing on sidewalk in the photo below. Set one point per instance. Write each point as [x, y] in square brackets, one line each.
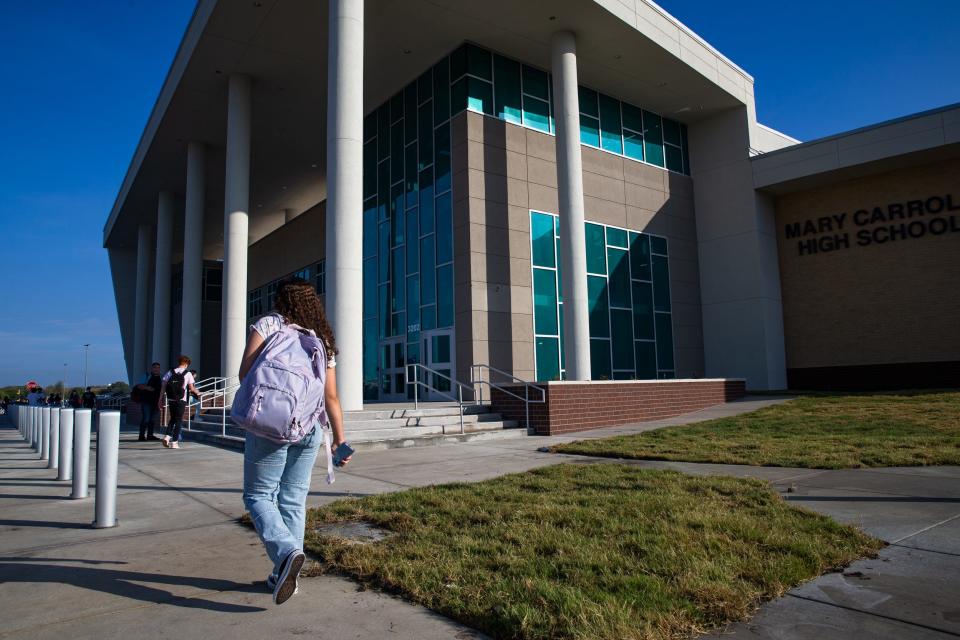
[176, 383]
[276, 477]
[149, 398]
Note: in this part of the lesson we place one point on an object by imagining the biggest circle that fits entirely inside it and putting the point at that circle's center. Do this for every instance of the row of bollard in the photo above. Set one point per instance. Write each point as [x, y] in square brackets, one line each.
[62, 438]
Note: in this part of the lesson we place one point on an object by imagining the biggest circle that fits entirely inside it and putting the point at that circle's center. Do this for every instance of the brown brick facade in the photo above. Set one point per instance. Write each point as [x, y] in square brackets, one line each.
[575, 406]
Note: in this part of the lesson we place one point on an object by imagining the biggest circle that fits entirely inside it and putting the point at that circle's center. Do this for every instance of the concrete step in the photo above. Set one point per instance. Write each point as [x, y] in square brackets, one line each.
[407, 432]
[423, 411]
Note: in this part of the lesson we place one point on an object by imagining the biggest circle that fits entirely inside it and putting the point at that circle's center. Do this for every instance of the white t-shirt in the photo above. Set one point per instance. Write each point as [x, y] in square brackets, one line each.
[187, 381]
[273, 322]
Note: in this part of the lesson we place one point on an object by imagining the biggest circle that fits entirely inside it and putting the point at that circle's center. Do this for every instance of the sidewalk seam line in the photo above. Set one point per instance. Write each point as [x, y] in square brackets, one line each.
[874, 614]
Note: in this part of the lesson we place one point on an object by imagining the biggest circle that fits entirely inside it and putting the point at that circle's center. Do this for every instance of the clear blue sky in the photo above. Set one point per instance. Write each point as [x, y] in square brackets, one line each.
[79, 81]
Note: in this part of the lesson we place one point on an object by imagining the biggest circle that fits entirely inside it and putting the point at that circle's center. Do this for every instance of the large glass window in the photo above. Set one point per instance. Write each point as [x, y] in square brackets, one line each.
[628, 301]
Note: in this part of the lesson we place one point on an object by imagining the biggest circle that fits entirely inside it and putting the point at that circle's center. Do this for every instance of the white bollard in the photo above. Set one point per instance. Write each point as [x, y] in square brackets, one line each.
[35, 428]
[45, 433]
[81, 453]
[108, 450]
[65, 472]
[54, 438]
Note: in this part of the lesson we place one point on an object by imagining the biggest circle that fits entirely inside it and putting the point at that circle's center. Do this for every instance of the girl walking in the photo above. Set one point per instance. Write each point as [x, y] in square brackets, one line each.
[276, 477]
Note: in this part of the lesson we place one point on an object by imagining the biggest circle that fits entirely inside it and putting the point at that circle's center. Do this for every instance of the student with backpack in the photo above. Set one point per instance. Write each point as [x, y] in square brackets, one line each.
[288, 389]
[174, 387]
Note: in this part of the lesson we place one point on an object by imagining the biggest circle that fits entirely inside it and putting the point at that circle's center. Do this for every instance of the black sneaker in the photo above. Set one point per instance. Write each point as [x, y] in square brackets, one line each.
[287, 579]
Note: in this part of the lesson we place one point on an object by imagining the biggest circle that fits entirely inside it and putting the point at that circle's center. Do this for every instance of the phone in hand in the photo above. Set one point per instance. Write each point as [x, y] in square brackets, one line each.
[343, 452]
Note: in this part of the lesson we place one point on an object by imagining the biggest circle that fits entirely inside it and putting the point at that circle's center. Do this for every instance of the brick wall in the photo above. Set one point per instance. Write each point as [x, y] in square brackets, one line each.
[575, 406]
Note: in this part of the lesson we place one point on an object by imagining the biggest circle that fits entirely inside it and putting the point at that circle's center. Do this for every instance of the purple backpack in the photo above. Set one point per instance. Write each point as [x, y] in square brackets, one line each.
[282, 396]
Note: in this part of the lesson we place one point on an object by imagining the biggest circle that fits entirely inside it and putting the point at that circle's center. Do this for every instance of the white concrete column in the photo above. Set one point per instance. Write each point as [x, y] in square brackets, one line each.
[345, 194]
[573, 254]
[141, 301]
[236, 226]
[161, 280]
[192, 304]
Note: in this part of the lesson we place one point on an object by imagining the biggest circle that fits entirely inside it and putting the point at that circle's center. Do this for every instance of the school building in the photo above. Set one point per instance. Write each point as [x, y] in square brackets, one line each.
[573, 190]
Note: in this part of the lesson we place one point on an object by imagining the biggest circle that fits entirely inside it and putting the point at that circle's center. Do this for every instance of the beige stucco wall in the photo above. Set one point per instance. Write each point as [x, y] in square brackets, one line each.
[501, 172]
[297, 244]
[887, 303]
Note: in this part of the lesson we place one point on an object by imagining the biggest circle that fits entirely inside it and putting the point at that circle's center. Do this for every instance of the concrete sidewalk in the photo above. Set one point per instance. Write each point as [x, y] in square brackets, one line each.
[179, 566]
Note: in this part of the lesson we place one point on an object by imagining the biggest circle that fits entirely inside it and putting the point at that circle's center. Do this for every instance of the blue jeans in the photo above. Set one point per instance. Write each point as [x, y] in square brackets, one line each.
[276, 481]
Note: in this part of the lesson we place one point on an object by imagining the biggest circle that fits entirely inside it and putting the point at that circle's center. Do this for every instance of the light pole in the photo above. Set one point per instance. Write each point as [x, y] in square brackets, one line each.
[86, 354]
[63, 395]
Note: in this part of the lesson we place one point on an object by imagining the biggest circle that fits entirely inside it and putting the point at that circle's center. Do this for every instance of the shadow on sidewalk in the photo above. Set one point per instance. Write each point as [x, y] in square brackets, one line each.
[869, 499]
[128, 584]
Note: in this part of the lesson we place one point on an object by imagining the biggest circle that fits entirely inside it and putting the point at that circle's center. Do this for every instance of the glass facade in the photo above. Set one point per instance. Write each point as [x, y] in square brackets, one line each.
[493, 85]
[408, 220]
[628, 292]
[260, 300]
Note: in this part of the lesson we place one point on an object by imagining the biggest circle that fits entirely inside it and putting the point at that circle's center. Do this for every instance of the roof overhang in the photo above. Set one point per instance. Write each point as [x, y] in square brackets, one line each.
[635, 51]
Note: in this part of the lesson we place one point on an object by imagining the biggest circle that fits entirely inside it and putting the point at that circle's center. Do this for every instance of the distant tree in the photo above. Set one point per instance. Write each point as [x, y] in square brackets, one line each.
[118, 388]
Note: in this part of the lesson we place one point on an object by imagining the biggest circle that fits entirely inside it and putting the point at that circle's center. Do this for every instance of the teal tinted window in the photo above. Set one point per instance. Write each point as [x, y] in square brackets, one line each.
[424, 87]
[506, 82]
[410, 110]
[596, 249]
[619, 280]
[646, 356]
[640, 256]
[589, 131]
[426, 201]
[535, 83]
[398, 296]
[445, 296]
[643, 325]
[441, 92]
[458, 96]
[545, 302]
[664, 341]
[370, 228]
[617, 237]
[610, 134]
[370, 287]
[458, 62]
[548, 359]
[428, 315]
[383, 251]
[686, 152]
[411, 174]
[478, 62]
[536, 114]
[621, 332]
[413, 244]
[600, 368]
[370, 127]
[383, 314]
[396, 108]
[370, 169]
[444, 229]
[428, 278]
[480, 96]
[425, 139]
[441, 145]
[383, 132]
[674, 158]
[396, 214]
[383, 190]
[671, 131]
[661, 284]
[541, 231]
[632, 118]
[396, 152]
[588, 102]
[413, 299]
[658, 244]
[652, 139]
[598, 306]
[632, 145]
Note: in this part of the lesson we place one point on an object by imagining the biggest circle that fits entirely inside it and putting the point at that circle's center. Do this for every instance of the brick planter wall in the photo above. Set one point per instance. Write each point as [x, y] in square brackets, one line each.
[575, 406]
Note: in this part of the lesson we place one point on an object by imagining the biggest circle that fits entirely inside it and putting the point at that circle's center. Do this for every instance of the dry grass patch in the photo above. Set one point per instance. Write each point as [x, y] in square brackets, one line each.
[819, 431]
[588, 551]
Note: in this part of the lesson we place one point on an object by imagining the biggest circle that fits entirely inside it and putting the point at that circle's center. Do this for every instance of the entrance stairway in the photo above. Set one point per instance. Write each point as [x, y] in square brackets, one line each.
[382, 426]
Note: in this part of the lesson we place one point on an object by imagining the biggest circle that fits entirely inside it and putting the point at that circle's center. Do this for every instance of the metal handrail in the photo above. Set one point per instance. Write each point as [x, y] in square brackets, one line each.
[476, 379]
[417, 383]
[222, 388]
[115, 402]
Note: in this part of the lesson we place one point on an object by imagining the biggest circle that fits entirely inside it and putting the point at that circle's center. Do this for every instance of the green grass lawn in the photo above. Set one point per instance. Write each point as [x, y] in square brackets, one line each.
[818, 431]
[588, 551]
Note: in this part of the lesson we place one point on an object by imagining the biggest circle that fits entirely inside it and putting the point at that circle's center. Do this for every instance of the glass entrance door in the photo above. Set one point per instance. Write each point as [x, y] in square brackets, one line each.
[438, 354]
[390, 367]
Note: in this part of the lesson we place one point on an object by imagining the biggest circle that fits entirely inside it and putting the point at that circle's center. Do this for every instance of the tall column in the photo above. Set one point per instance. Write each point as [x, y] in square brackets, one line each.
[236, 225]
[345, 194]
[144, 246]
[191, 304]
[161, 280]
[573, 254]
